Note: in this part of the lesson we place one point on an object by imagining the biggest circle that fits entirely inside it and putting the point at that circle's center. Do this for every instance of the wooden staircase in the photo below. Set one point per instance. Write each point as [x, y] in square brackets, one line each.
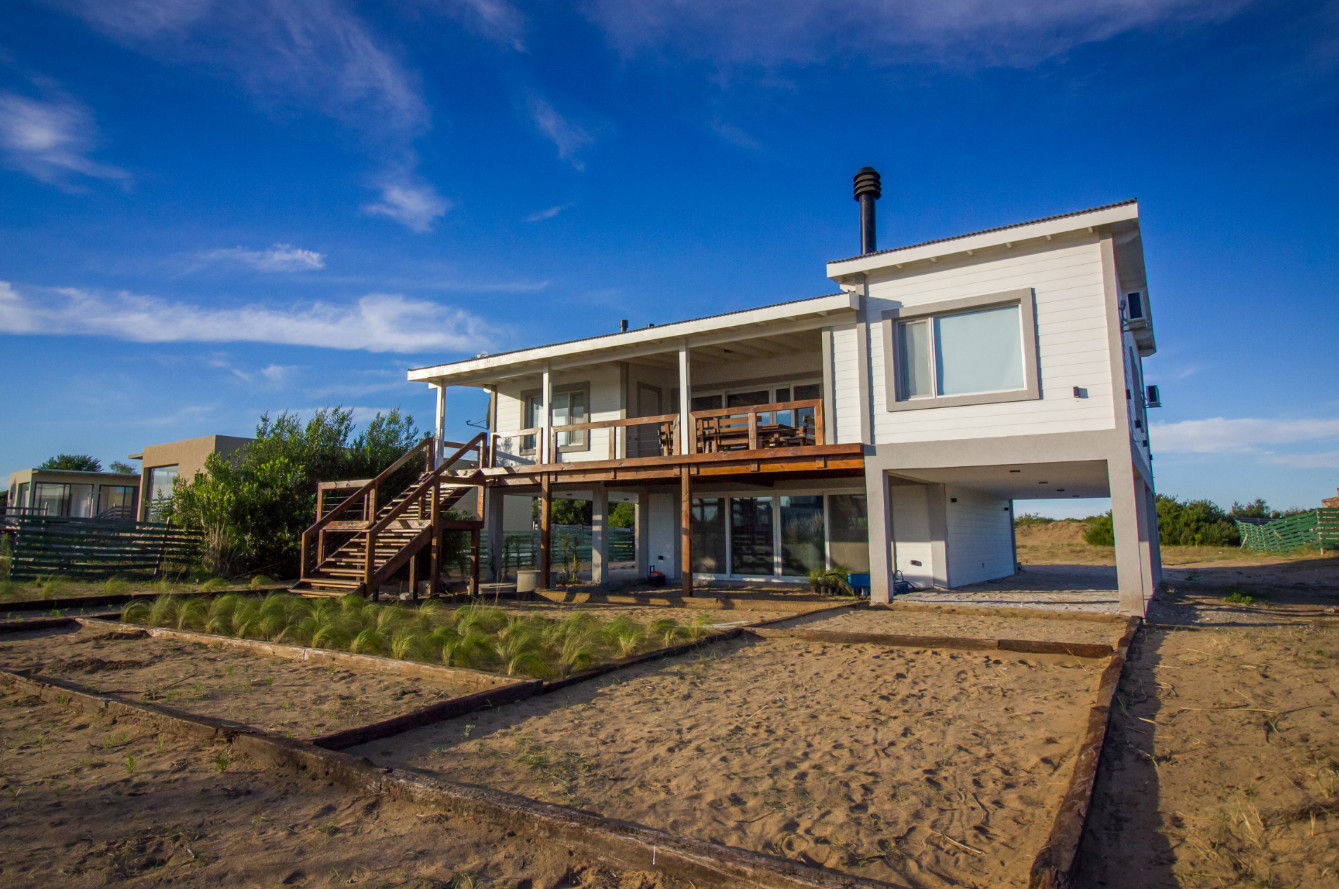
[360, 545]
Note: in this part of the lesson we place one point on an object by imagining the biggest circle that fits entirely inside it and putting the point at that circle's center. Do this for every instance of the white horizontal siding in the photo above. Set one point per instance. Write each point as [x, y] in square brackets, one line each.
[846, 371]
[980, 545]
[605, 404]
[1071, 346]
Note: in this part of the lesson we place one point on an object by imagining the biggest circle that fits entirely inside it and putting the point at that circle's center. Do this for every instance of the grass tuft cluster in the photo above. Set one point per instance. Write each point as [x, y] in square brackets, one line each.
[475, 636]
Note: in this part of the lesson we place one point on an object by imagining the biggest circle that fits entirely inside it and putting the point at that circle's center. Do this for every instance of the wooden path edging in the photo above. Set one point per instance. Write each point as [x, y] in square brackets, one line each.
[623, 842]
[959, 643]
[1005, 611]
[1053, 868]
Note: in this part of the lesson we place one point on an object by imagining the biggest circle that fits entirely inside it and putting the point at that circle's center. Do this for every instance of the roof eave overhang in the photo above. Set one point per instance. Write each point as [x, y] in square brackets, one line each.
[780, 318]
[853, 269]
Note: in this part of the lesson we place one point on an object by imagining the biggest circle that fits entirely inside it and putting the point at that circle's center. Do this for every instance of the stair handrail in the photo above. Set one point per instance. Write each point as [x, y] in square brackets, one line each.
[362, 491]
[424, 483]
[430, 479]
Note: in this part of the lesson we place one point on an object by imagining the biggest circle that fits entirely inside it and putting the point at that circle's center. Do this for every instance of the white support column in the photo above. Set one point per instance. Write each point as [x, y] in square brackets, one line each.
[1129, 525]
[880, 517]
[439, 419]
[546, 417]
[599, 534]
[685, 400]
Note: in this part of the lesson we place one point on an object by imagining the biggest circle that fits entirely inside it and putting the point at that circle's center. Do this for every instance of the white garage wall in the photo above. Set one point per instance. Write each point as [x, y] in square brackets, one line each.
[980, 537]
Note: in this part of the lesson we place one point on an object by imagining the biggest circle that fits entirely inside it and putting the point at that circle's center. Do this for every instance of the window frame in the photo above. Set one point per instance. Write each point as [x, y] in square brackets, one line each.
[1024, 299]
[582, 437]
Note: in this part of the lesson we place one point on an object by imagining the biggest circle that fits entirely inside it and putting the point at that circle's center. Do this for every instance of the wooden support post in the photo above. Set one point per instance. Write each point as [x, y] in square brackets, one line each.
[820, 434]
[413, 576]
[753, 430]
[436, 571]
[474, 561]
[545, 530]
[686, 531]
[369, 564]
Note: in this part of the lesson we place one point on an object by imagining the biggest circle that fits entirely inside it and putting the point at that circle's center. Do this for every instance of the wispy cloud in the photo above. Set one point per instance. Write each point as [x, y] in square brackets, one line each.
[275, 258]
[969, 33]
[497, 20]
[1244, 435]
[272, 376]
[547, 213]
[378, 322]
[734, 135]
[309, 54]
[566, 136]
[51, 139]
[415, 205]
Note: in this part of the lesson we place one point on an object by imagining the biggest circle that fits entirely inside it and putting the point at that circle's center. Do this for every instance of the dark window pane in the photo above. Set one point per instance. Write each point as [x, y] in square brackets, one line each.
[709, 536]
[751, 546]
[802, 536]
[848, 532]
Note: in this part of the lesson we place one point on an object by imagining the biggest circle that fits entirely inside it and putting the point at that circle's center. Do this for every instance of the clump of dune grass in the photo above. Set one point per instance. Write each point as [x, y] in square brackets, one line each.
[260, 581]
[215, 584]
[475, 636]
[115, 586]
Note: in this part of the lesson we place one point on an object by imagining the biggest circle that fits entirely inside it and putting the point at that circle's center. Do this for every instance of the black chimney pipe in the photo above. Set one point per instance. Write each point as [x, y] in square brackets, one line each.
[623, 325]
[868, 189]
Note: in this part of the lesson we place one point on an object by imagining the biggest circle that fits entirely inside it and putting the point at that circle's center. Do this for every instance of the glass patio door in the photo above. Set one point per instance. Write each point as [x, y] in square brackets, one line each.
[751, 536]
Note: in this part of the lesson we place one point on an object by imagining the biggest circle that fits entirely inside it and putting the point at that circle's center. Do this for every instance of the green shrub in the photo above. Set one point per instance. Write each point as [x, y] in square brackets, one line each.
[1029, 520]
[1180, 523]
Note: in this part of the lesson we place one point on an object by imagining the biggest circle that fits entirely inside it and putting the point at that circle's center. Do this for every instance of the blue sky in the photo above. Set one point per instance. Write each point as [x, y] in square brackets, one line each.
[209, 210]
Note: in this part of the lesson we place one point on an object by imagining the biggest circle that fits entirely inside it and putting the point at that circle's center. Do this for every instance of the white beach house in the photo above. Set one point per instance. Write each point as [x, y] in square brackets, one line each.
[890, 426]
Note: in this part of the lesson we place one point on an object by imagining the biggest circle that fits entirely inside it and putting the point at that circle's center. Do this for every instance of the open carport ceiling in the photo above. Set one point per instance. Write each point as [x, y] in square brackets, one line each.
[1026, 481]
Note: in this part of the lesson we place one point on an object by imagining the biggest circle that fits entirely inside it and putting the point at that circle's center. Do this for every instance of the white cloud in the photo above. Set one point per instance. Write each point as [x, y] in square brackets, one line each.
[378, 322]
[735, 136]
[275, 258]
[50, 140]
[1245, 435]
[416, 206]
[547, 213]
[961, 32]
[566, 136]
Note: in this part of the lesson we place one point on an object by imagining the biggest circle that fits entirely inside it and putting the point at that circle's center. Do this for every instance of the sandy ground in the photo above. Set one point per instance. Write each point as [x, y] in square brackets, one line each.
[931, 767]
[91, 802]
[1221, 766]
[916, 622]
[282, 696]
[646, 613]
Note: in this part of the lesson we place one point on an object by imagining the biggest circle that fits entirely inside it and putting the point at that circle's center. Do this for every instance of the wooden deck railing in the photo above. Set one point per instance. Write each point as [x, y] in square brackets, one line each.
[754, 427]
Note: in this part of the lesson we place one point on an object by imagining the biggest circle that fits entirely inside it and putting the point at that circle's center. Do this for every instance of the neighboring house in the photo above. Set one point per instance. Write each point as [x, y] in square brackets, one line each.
[163, 464]
[67, 493]
[886, 428]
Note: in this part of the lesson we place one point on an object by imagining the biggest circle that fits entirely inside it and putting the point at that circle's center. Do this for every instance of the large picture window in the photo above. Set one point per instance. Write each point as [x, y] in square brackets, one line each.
[160, 489]
[971, 351]
[570, 405]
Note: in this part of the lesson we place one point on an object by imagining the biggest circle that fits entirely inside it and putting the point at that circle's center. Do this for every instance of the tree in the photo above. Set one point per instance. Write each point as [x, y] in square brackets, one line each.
[118, 466]
[75, 462]
[253, 506]
[623, 515]
[564, 512]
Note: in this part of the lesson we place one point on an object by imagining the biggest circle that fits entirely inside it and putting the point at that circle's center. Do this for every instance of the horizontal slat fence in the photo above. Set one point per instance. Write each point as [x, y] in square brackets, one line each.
[1314, 528]
[46, 545]
[521, 548]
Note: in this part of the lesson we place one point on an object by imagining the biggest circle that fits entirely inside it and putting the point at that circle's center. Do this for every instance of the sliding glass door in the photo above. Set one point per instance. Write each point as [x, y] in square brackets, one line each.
[751, 545]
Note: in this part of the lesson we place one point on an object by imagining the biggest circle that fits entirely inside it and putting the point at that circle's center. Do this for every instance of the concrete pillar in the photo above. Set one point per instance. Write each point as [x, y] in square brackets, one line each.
[599, 534]
[1128, 524]
[685, 401]
[880, 518]
[1154, 543]
[493, 511]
